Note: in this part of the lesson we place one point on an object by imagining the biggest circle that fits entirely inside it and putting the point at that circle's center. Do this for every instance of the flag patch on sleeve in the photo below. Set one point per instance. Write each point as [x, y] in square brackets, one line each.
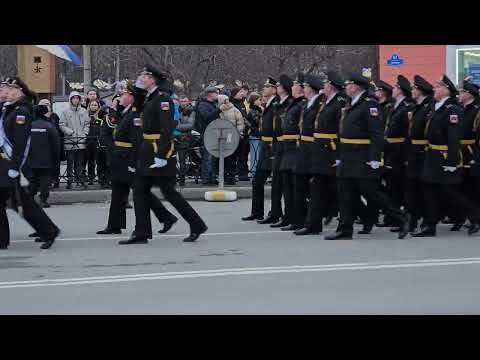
[454, 119]
[137, 122]
[374, 111]
[20, 119]
[165, 105]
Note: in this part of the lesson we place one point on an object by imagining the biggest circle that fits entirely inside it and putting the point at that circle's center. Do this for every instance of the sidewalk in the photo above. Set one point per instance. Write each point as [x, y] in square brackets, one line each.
[192, 191]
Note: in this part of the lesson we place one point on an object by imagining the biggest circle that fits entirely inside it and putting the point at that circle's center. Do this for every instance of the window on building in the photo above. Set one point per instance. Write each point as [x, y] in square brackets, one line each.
[468, 64]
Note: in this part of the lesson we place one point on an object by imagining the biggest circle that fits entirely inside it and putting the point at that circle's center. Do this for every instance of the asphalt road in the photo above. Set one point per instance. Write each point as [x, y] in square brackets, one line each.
[236, 268]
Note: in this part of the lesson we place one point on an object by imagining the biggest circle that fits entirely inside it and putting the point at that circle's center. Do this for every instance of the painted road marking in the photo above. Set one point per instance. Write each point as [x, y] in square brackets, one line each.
[241, 271]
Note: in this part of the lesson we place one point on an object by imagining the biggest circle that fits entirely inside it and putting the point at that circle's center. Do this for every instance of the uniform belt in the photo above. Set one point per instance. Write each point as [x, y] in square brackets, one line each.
[438, 147]
[467, 142]
[419, 142]
[307, 138]
[355, 141]
[3, 156]
[267, 138]
[123, 144]
[289, 137]
[395, 140]
[325, 136]
[151, 136]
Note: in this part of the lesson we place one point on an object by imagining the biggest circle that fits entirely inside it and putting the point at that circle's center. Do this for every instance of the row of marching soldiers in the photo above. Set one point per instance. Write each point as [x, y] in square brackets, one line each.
[143, 157]
[356, 148]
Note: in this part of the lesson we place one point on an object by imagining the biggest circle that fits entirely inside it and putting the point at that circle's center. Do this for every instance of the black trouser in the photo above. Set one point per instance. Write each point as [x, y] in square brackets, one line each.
[142, 202]
[288, 194]
[103, 169]
[436, 194]
[242, 162]
[367, 213]
[395, 186]
[32, 213]
[90, 160]
[276, 195]
[301, 195]
[41, 181]
[414, 193]
[323, 200]
[348, 195]
[231, 166]
[258, 192]
[75, 159]
[117, 217]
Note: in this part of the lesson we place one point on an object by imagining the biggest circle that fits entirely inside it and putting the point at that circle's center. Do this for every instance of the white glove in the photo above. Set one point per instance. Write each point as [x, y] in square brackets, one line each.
[374, 164]
[449, 168]
[337, 162]
[131, 169]
[159, 163]
[13, 173]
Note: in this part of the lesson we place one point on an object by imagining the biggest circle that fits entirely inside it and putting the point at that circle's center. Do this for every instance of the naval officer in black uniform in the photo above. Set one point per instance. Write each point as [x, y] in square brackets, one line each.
[156, 160]
[360, 157]
[442, 170]
[15, 130]
[126, 138]
[323, 187]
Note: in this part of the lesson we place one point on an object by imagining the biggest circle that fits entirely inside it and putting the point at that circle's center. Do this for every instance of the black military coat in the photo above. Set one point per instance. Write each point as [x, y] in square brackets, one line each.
[44, 145]
[416, 144]
[291, 133]
[396, 132]
[306, 142]
[324, 151]
[278, 119]
[475, 164]
[17, 123]
[265, 155]
[158, 126]
[360, 123]
[128, 136]
[443, 129]
[470, 113]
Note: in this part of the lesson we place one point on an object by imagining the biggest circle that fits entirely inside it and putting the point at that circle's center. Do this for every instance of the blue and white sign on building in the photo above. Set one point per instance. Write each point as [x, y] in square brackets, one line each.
[395, 60]
[474, 72]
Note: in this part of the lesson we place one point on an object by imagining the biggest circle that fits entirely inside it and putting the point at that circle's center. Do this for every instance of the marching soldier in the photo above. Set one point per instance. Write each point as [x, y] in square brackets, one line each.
[396, 132]
[361, 144]
[156, 163]
[475, 162]
[264, 165]
[291, 134]
[311, 88]
[414, 188]
[443, 161]
[469, 98]
[15, 128]
[369, 214]
[284, 92]
[127, 137]
[323, 187]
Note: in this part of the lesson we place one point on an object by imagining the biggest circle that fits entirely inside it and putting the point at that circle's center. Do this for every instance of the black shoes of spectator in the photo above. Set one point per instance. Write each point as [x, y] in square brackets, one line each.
[167, 225]
[367, 229]
[3, 247]
[69, 187]
[230, 182]
[109, 231]
[181, 183]
[243, 178]
[474, 228]
[457, 226]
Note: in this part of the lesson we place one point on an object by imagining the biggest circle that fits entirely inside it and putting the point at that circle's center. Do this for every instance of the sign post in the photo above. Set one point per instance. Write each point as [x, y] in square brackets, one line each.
[221, 139]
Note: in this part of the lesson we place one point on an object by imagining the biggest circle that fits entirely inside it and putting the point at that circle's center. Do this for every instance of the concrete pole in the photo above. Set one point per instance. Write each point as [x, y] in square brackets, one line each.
[87, 68]
[117, 65]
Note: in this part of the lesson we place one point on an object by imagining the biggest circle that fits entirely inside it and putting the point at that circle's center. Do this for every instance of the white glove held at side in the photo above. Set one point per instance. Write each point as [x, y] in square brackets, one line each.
[374, 164]
[13, 173]
[159, 163]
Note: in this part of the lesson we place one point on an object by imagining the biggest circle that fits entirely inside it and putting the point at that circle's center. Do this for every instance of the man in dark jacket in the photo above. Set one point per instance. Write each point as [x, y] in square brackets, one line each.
[361, 145]
[183, 136]
[206, 112]
[237, 98]
[44, 153]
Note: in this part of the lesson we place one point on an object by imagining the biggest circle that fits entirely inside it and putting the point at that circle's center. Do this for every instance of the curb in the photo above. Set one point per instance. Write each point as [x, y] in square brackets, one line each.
[103, 196]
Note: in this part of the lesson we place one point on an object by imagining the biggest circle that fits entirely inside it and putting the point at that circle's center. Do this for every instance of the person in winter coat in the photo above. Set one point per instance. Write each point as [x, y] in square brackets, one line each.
[75, 125]
[183, 136]
[253, 121]
[232, 114]
[44, 153]
[91, 152]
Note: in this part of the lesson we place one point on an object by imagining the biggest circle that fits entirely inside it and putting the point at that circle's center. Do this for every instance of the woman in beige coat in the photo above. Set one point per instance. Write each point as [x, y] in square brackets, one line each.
[232, 114]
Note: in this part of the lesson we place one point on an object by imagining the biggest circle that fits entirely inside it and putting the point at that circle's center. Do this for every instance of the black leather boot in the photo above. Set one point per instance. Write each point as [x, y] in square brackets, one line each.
[268, 220]
[339, 236]
[307, 231]
[195, 234]
[283, 222]
[291, 227]
[427, 231]
[367, 229]
[134, 239]
[108, 231]
[167, 225]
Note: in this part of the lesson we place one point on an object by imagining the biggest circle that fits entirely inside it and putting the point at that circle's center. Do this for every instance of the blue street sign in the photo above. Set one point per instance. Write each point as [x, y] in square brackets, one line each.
[474, 72]
[395, 60]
